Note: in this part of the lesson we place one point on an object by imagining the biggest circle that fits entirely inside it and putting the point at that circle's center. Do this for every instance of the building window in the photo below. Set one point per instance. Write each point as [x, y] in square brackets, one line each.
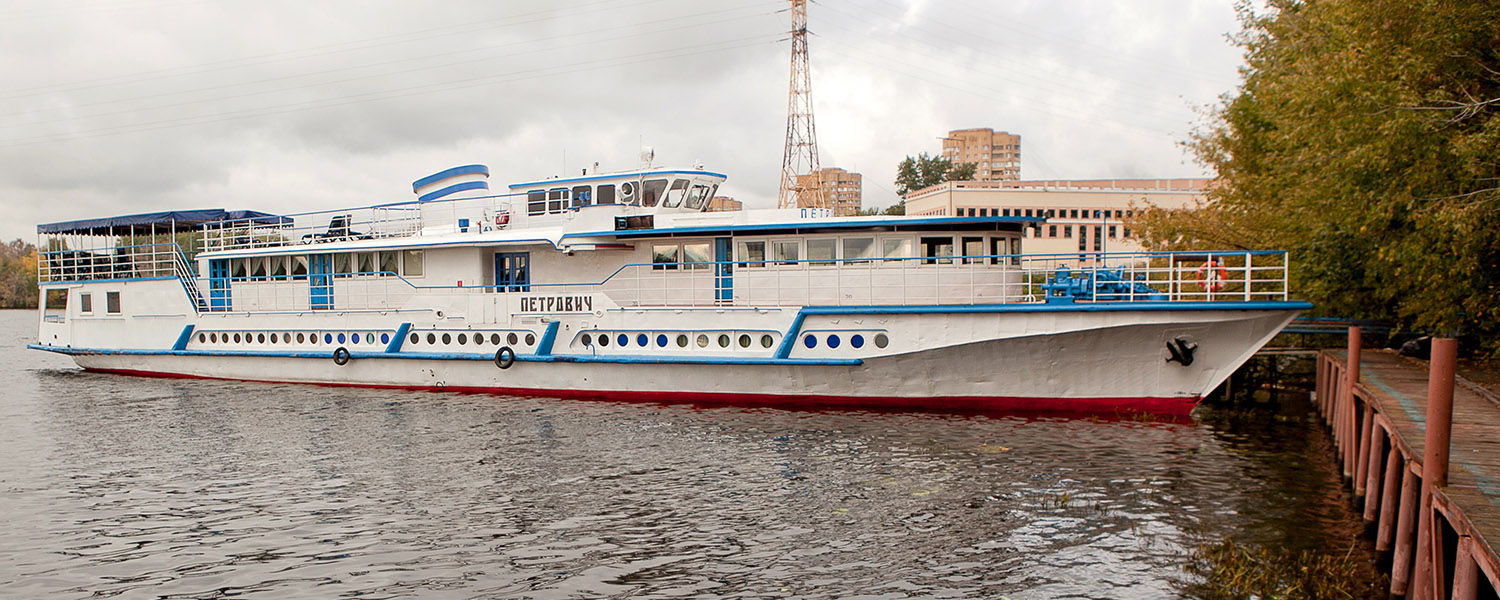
[1075, 213]
[85, 303]
[112, 302]
[1067, 231]
[1051, 231]
[1097, 238]
[1111, 231]
[1126, 232]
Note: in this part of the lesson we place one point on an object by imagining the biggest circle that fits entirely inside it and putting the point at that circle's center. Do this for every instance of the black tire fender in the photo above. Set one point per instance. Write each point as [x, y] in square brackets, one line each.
[505, 357]
[341, 356]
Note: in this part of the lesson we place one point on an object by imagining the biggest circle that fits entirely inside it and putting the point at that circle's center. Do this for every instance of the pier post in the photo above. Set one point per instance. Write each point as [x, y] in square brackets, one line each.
[1435, 463]
[1371, 466]
[1348, 431]
[1390, 499]
[1406, 523]
[1362, 461]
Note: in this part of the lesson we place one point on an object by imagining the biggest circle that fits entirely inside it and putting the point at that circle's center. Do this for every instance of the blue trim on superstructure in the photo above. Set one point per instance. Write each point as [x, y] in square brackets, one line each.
[789, 339]
[549, 358]
[628, 176]
[400, 338]
[544, 347]
[182, 339]
[453, 189]
[809, 224]
[446, 173]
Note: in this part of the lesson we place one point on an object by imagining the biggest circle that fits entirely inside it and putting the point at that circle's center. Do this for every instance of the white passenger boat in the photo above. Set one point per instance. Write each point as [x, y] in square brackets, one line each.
[622, 286]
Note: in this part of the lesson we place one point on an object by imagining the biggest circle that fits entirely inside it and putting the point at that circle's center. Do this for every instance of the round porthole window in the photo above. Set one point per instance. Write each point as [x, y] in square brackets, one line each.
[623, 340]
[431, 338]
[811, 341]
[640, 340]
[681, 341]
[236, 338]
[588, 340]
[530, 339]
[260, 338]
[273, 338]
[603, 340]
[511, 339]
[833, 341]
[857, 340]
[766, 341]
[881, 340]
[478, 339]
[495, 339]
[385, 338]
[353, 338]
[202, 338]
[213, 338]
[723, 340]
[463, 338]
[447, 339]
[342, 337]
[744, 341]
[702, 341]
[370, 338]
[661, 340]
[328, 338]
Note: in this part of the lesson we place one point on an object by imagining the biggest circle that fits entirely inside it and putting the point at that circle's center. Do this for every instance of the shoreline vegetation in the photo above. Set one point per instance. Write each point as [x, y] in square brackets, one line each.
[18, 275]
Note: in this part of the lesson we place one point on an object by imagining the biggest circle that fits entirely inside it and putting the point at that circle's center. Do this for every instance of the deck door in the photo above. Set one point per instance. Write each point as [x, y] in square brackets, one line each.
[513, 271]
[723, 270]
[218, 284]
[320, 281]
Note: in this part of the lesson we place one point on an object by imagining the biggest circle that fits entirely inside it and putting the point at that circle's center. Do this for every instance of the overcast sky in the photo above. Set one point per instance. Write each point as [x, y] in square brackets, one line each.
[114, 107]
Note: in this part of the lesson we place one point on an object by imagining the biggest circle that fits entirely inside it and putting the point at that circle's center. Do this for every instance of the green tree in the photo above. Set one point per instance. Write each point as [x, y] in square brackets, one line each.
[18, 275]
[926, 171]
[1364, 140]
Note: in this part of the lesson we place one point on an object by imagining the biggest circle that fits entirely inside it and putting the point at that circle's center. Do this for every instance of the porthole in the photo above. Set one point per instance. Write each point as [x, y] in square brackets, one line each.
[236, 338]
[881, 340]
[702, 341]
[723, 340]
[431, 338]
[530, 339]
[661, 340]
[623, 340]
[260, 338]
[302, 338]
[857, 340]
[202, 338]
[744, 341]
[273, 338]
[604, 340]
[478, 339]
[681, 340]
[385, 338]
[328, 338]
[495, 339]
[213, 338]
[447, 339]
[766, 341]
[370, 338]
[641, 340]
[510, 338]
[463, 339]
[353, 338]
[588, 340]
[833, 341]
[811, 341]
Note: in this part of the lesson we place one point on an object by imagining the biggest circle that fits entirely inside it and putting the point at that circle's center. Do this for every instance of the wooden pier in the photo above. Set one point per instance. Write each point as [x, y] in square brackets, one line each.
[1424, 459]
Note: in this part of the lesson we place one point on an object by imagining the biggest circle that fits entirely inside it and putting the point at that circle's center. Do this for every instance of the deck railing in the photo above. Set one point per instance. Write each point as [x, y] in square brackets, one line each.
[1090, 277]
[376, 222]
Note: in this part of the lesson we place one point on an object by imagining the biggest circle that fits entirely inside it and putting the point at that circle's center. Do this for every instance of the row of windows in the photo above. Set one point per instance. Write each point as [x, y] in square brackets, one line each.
[662, 340]
[833, 340]
[678, 193]
[477, 339]
[283, 337]
[848, 250]
[407, 263]
[1067, 231]
[86, 302]
[1051, 213]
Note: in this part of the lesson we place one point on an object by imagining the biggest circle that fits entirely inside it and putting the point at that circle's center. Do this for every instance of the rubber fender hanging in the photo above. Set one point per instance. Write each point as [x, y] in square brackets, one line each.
[505, 357]
[341, 356]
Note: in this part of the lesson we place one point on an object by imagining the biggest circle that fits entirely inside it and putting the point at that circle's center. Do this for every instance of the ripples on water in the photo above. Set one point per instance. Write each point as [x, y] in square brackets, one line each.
[147, 488]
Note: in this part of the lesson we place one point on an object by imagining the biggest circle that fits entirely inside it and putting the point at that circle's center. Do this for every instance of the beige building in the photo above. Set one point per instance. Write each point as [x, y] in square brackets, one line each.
[995, 154]
[844, 190]
[1082, 215]
[724, 204]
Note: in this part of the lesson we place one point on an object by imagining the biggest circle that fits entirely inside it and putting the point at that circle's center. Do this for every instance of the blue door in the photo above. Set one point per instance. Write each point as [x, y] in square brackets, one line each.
[218, 284]
[320, 280]
[723, 271]
[512, 271]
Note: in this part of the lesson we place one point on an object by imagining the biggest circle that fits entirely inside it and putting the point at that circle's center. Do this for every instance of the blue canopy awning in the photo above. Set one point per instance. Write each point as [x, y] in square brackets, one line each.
[175, 220]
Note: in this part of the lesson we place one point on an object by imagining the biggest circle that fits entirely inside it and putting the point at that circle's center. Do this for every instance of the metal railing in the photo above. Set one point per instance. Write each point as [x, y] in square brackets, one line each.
[402, 219]
[140, 261]
[991, 279]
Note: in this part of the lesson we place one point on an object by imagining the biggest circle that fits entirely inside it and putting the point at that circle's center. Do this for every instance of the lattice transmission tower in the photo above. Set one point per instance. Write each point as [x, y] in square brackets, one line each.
[801, 135]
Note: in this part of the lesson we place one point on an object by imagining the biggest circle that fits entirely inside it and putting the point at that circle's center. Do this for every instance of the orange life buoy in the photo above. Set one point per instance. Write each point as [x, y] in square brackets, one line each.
[1212, 275]
[502, 218]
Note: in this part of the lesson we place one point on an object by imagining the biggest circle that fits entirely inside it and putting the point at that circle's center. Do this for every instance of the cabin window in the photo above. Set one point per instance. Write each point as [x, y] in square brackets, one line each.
[342, 265]
[557, 200]
[937, 250]
[536, 202]
[388, 264]
[627, 194]
[651, 191]
[752, 254]
[605, 194]
[412, 263]
[258, 268]
[237, 268]
[366, 263]
[299, 267]
[697, 197]
[112, 302]
[582, 196]
[56, 300]
[674, 195]
[85, 303]
[973, 250]
[859, 250]
[699, 254]
[278, 267]
[787, 253]
[896, 248]
[664, 256]
[825, 249]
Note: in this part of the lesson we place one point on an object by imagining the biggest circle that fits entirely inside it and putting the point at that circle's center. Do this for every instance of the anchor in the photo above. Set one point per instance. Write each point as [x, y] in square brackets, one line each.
[1181, 351]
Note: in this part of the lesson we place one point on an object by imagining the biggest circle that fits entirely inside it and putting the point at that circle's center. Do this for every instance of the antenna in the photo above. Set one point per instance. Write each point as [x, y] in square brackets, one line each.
[801, 135]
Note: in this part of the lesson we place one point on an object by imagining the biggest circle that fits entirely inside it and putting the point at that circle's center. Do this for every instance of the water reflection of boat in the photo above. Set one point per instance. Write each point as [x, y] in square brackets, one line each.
[622, 286]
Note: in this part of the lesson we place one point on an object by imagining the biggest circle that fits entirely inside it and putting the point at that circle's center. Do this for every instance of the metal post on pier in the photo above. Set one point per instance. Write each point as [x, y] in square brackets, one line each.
[1347, 431]
[1435, 462]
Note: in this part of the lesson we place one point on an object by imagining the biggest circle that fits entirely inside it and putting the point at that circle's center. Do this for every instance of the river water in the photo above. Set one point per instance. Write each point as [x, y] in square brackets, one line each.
[116, 486]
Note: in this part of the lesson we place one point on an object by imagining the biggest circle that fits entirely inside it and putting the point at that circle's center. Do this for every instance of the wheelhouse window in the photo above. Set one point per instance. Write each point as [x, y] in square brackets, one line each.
[112, 303]
[665, 256]
[937, 250]
[605, 194]
[582, 196]
[56, 300]
[697, 197]
[536, 202]
[85, 303]
[787, 252]
[751, 254]
[412, 263]
[675, 194]
[557, 200]
[651, 191]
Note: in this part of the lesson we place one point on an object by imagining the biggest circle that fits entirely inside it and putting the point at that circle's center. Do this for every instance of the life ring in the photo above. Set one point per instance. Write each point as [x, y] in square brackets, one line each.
[505, 357]
[1212, 275]
[341, 356]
